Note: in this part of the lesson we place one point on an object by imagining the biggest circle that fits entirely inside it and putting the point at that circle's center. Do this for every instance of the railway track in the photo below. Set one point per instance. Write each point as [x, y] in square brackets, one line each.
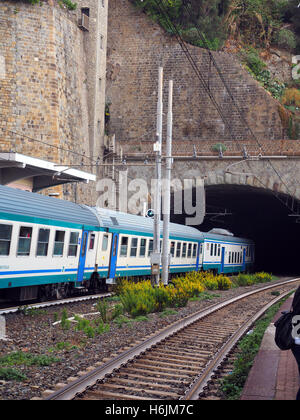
[12, 309]
[178, 362]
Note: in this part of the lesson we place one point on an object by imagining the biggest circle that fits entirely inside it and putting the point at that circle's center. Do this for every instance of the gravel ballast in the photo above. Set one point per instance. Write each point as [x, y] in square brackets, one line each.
[38, 333]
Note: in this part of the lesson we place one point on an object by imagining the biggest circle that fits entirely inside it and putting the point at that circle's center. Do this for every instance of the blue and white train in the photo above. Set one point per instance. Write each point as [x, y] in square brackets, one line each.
[50, 248]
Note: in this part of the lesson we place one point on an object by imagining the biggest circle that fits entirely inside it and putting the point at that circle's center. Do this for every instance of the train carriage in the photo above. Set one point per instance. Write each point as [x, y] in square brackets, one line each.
[50, 248]
[225, 253]
[44, 241]
[131, 241]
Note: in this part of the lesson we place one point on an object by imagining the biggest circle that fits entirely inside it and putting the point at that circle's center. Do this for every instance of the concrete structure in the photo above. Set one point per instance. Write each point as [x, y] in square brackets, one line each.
[52, 85]
[31, 174]
[274, 374]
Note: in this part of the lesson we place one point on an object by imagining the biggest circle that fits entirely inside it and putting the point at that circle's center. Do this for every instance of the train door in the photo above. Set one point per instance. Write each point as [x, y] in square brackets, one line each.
[113, 256]
[223, 259]
[199, 261]
[244, 259]
[82, 256]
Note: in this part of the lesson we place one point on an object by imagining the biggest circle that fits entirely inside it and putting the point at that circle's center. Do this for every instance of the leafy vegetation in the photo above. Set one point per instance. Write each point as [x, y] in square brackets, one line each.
[19, 358]
[211, 22]
[68, 3]
[142, 298]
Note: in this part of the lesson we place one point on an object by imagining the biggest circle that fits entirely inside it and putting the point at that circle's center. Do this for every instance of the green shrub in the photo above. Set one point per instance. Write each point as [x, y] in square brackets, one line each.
[65, 323]
[10, 374]
[253, 61]
[27, 359]
[249, 279]
[257, 68]
[262, 277]
[117, 311]
[223, 282]
[244, 279]
[102, 307]
[286, 39]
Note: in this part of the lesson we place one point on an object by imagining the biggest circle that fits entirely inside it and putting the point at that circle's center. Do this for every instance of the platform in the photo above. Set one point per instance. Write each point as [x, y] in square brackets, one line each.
[274, 374]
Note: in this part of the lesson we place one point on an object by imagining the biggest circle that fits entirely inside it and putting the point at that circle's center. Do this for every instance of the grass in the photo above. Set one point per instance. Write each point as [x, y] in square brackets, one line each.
[27, 359]
[9, 362]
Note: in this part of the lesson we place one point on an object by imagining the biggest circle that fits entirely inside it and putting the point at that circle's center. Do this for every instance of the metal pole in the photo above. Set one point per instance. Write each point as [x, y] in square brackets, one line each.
[166, 192]
[157, 148]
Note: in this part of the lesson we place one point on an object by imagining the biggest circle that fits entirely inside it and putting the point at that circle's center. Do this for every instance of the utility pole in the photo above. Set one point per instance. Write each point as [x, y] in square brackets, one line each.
[156, 256]
[167, 188]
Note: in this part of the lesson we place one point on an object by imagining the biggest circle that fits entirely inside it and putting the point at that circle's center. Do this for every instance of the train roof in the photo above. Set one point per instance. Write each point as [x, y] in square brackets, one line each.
[29, 205]
[117, 221]
[225, 238]
[37, 208]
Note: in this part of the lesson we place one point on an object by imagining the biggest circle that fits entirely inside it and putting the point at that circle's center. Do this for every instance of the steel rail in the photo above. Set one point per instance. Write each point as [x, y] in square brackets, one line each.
[54, 303]
[203, 379]
[89, 379]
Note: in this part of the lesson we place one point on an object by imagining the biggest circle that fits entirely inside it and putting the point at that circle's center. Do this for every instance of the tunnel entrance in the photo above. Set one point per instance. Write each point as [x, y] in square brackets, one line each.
[257, 214]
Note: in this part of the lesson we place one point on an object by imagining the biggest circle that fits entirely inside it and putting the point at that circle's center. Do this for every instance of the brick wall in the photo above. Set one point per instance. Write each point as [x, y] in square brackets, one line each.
[137, 47]
[46, 91]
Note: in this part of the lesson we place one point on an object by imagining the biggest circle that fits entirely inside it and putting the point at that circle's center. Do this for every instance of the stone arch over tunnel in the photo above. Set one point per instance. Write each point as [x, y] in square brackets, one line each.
[256, 213]
[251, 199]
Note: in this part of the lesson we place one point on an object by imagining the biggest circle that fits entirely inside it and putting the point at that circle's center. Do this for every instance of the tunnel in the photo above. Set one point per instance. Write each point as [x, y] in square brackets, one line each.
[257, 214]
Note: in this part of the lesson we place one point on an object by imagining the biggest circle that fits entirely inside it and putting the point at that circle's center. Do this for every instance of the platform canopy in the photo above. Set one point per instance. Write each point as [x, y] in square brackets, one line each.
[38, 174]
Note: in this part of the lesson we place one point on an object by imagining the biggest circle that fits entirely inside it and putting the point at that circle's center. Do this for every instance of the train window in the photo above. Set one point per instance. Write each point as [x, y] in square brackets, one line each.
[189, 253]
[216, 248]
[194, 250]
[150, 250]
[143, 247]
[124, 246]
[172, 249]
[59, 242]
[133, 249]
[104, 242]
[201, 248]
[92, 242]
[229, 257]
[184, 250]
[211, 250]
[178, 249]
[73, 245]
[24, 241]
[5, 239]
[43, 243]
[219, 250]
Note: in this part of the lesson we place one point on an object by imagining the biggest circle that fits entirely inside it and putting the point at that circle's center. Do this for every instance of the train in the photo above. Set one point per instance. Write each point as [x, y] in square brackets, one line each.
[51, 248]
